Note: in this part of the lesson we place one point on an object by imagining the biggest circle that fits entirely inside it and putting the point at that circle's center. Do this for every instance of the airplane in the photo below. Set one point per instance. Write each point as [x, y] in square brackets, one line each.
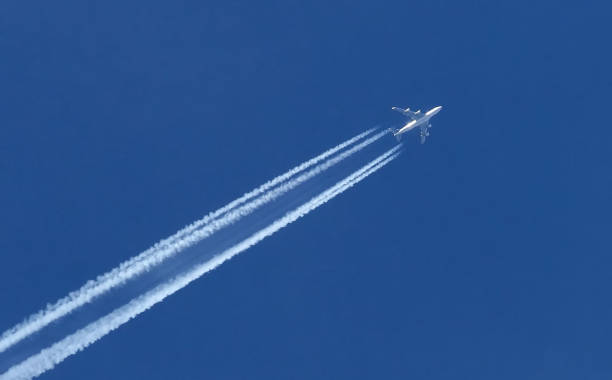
[417, 119]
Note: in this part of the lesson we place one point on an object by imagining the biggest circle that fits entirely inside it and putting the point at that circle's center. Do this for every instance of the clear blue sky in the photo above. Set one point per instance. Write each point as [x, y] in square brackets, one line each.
[483, 254]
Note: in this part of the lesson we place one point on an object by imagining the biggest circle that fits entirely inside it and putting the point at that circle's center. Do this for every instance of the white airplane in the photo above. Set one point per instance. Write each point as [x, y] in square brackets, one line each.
[416, 119]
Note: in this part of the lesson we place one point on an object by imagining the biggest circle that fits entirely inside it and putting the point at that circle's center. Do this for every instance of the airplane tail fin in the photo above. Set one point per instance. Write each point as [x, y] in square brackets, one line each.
[394, 132]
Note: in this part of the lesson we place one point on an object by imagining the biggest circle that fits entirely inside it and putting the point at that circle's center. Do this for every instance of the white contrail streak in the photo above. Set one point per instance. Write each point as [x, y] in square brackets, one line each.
[181, 240]
[56, 353]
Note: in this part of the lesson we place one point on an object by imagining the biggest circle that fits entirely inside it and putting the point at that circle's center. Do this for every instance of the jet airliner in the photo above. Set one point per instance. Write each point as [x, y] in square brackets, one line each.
[416, 119]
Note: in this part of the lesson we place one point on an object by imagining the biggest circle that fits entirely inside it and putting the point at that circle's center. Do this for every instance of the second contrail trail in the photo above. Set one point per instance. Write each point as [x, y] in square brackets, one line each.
[186, 237]
[56, 353]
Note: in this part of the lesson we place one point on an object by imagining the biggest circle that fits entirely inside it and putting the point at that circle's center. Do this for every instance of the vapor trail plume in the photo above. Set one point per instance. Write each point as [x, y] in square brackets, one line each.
[56, 353]
[182, 239]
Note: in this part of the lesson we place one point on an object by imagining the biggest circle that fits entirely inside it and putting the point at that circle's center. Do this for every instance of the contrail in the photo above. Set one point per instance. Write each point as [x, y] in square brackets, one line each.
[252, 194]
[56, 353]
[184, 238]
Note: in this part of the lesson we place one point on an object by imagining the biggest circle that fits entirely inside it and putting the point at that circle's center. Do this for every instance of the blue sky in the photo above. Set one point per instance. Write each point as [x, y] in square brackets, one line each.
[482, 254]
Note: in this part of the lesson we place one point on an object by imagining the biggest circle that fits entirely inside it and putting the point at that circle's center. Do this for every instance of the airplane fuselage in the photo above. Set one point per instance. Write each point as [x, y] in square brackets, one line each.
[424, 119]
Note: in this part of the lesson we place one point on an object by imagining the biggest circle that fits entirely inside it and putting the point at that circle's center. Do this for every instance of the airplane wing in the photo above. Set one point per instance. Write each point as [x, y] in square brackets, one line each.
[406, 112]
[424, 132]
